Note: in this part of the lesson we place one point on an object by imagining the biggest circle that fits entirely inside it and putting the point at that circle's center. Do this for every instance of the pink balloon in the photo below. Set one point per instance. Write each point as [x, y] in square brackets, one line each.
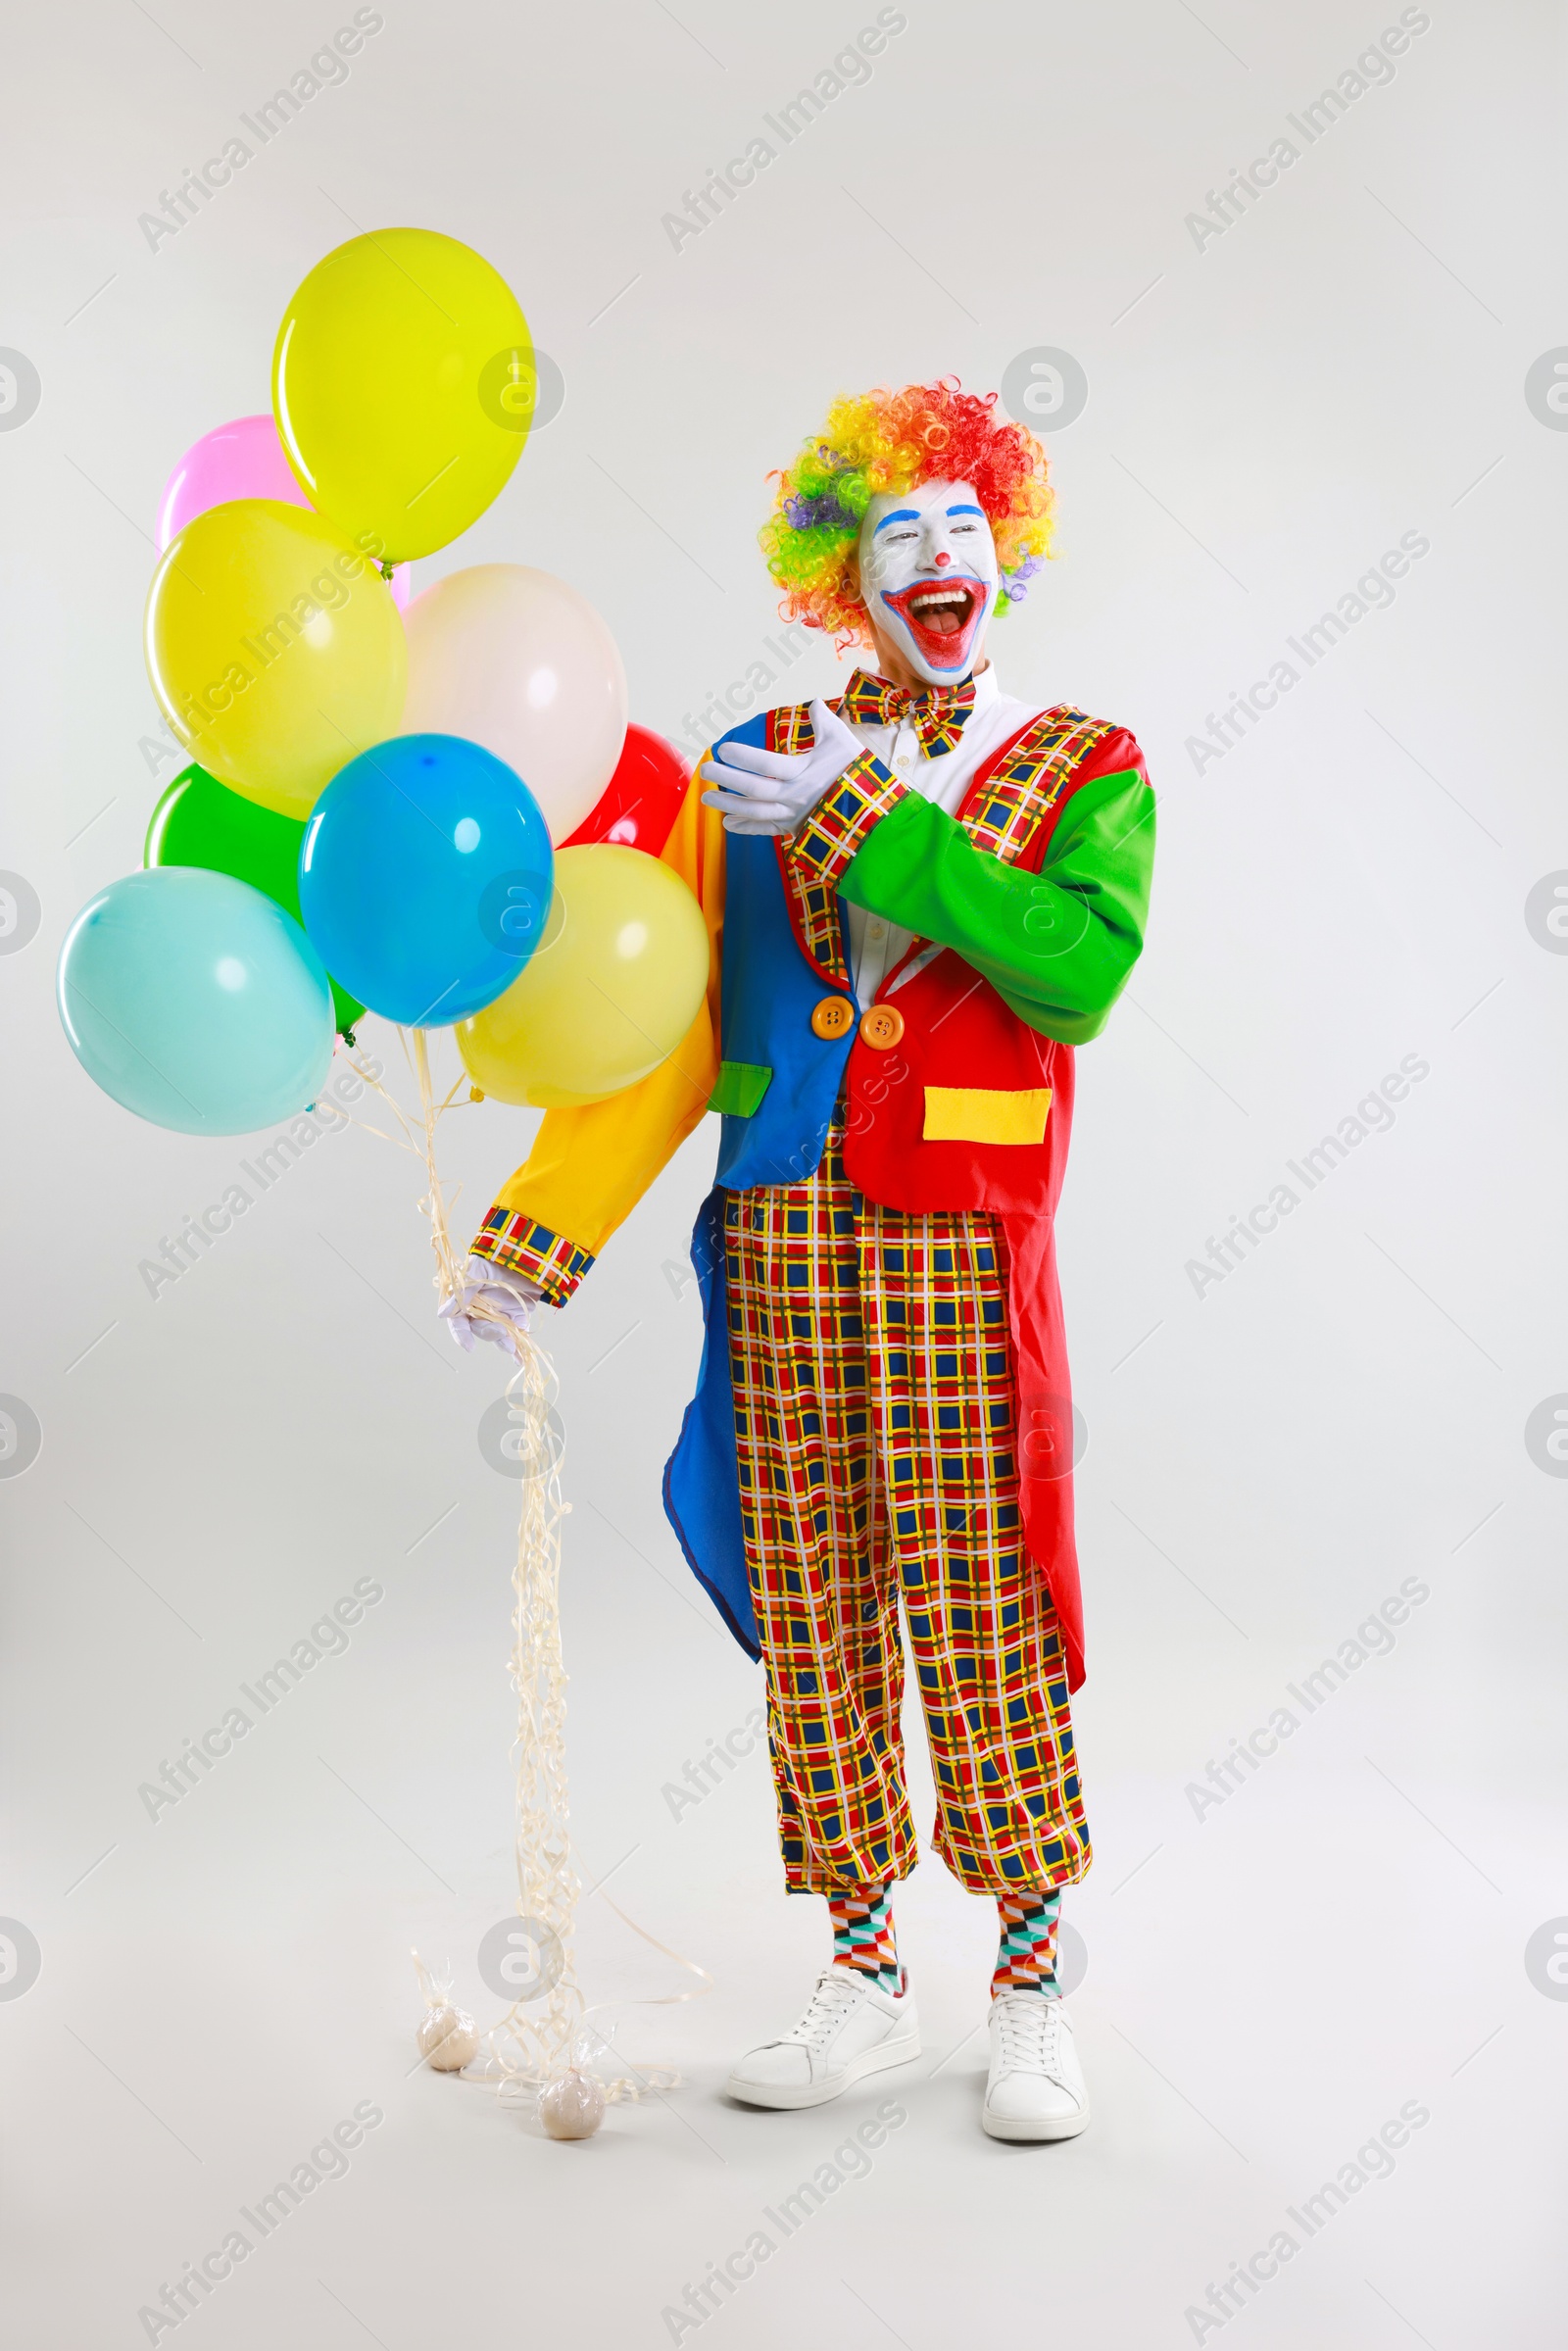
[242, 459]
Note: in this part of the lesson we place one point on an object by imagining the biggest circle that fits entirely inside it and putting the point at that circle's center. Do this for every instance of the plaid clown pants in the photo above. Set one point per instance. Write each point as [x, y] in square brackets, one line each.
[875, 1423]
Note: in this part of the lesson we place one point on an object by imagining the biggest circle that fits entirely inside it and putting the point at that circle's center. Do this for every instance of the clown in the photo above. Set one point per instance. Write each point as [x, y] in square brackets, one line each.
[922, 897]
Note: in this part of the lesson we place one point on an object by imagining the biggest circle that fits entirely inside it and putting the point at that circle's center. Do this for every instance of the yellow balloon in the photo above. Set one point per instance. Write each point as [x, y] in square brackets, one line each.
[403, 385]
[606, 994]
[274, 649]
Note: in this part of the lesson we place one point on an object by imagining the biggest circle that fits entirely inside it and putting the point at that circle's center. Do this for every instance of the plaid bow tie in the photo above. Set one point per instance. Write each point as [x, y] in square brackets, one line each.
[937, 714]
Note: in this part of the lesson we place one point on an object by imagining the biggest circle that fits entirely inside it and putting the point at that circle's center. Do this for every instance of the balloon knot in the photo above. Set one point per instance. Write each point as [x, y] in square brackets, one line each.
[475, 1095]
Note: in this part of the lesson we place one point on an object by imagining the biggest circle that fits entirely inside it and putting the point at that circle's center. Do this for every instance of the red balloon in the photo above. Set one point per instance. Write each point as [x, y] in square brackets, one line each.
[642, 799]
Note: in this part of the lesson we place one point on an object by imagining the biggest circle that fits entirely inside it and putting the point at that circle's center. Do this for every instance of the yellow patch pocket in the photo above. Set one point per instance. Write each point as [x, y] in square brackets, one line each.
[985, 1114]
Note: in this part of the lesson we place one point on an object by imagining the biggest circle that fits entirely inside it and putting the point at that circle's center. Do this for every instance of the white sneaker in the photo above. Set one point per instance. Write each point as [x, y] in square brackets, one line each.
[1035, 2089]
[851, 2028]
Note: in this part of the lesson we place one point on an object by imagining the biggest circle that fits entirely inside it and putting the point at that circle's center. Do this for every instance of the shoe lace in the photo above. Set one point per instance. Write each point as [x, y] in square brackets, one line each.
[835, 1990]
[1031, 2031]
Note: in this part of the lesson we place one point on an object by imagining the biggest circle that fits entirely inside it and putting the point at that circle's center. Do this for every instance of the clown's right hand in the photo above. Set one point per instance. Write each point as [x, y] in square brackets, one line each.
[509, 1298]
[776, 790]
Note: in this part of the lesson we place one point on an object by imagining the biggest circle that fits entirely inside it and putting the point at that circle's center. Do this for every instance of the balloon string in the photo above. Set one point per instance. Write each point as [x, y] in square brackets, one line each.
[532, 2044]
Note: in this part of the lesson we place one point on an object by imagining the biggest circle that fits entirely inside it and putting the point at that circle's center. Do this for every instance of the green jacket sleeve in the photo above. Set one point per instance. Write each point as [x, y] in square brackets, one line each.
[1056, 946]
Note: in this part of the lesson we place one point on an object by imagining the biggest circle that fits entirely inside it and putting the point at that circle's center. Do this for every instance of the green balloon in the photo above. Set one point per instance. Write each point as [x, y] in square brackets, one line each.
[199, 822]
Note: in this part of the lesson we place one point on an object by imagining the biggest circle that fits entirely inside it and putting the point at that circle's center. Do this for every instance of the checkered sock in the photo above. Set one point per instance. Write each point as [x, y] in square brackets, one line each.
[862, 1935]
[1027, 1958]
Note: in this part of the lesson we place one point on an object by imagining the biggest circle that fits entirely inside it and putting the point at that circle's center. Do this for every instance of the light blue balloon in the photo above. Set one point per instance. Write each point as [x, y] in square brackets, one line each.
[196, 1002]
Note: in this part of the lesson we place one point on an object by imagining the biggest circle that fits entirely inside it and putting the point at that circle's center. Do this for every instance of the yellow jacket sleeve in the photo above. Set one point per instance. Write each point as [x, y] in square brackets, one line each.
[589, 1168]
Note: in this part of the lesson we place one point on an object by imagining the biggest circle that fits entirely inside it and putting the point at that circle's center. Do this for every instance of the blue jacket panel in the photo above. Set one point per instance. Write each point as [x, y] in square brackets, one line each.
[767, 992]
[767, 995]
[702, 1479]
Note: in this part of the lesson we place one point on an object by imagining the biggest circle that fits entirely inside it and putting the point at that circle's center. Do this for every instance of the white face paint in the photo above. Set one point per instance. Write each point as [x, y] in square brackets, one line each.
[928, 574]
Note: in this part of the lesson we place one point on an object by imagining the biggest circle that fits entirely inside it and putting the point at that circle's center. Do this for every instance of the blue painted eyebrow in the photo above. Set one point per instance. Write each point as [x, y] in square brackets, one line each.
[963, 510]
[905, 514]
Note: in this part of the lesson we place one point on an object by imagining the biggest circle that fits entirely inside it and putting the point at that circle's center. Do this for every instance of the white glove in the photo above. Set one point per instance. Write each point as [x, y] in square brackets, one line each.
[509, 1295]
[774, 791]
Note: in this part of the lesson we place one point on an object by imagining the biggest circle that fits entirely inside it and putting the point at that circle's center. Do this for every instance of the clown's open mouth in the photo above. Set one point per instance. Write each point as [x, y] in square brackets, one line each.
[940, 615]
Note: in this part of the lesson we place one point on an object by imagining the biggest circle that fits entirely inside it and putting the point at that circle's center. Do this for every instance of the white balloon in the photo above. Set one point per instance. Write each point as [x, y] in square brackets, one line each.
[516, 660]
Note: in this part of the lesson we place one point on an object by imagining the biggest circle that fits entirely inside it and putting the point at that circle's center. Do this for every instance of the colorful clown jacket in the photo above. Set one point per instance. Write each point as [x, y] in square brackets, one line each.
[1027, 911]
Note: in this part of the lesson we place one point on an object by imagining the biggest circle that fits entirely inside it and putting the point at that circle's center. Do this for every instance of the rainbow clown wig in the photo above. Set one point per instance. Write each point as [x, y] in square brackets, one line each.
[895, 441]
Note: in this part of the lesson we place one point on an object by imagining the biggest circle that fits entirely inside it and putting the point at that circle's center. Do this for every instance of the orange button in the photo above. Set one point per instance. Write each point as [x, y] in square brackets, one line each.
[882, 1026]
[834, 1016]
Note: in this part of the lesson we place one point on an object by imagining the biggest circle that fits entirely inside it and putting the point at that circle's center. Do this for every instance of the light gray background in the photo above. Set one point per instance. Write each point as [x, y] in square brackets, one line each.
[1347, 1931]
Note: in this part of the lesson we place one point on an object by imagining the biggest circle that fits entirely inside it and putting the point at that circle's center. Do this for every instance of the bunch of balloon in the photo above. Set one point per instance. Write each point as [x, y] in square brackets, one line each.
[276, 645]
[435, 799]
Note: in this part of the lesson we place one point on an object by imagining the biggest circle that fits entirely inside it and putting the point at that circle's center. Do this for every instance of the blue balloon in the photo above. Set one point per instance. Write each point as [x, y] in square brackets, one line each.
[196, 1002]
[426, 876]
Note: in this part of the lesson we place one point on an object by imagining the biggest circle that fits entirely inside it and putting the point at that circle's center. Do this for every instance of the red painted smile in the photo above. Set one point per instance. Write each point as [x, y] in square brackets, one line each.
[942, 615]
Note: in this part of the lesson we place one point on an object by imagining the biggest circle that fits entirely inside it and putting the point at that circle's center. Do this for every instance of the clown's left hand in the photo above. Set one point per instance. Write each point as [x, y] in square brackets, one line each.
[494, 1304]
[774, 791]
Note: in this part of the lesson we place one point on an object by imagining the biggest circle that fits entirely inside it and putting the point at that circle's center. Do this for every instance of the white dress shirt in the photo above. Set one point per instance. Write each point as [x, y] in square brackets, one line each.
[875, 946]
